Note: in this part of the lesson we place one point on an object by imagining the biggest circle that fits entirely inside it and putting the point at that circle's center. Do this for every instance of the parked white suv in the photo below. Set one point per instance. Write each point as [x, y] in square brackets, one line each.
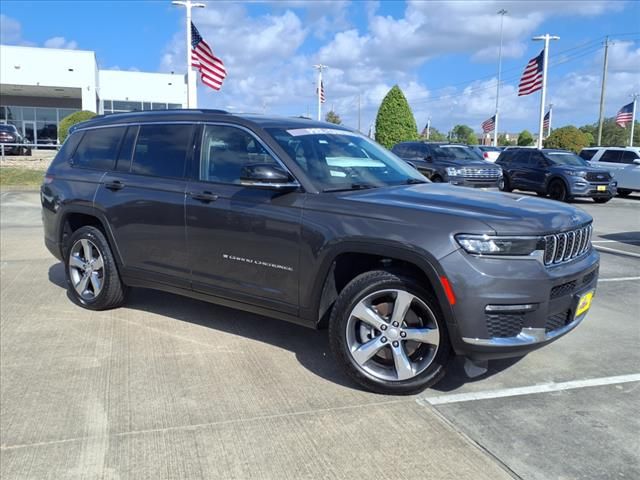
[622, 162]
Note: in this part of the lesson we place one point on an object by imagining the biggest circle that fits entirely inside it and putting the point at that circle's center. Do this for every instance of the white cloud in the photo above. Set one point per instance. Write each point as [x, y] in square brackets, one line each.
[10, 30]
[60, 42]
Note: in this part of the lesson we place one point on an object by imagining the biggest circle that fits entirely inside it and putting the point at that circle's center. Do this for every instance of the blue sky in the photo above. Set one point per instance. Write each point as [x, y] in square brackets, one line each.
[442, 54]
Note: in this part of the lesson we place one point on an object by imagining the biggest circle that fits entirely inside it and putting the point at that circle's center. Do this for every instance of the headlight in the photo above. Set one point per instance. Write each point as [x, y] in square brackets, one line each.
[577, 174]
[454, 172]
[493, 245]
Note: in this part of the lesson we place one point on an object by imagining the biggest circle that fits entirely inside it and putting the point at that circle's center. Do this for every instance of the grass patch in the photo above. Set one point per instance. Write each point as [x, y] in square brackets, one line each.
[20, 176]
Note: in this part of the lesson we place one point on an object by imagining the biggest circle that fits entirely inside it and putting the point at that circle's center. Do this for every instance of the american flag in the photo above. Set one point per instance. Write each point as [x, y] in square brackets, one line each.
[489, 125]
[545, 123]
[322, 99]
[531, 80]
[625, 115]
[212, 71]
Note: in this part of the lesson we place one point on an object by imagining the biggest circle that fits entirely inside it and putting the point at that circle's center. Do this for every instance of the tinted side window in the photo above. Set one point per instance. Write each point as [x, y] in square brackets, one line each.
[126, 149]
[628, 156]
[225, 150]
[612, 156]
[98, 148]
[161, 150]
[521, 159]
[400, 150]
[587, 154]
[536, 159]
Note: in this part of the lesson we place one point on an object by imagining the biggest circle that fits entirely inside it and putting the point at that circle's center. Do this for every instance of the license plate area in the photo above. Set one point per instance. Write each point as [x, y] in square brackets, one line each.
[583, 303]
[602, 188]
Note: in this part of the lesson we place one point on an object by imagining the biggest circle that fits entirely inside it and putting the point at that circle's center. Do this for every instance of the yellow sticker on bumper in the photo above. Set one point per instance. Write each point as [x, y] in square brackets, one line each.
[584, 303]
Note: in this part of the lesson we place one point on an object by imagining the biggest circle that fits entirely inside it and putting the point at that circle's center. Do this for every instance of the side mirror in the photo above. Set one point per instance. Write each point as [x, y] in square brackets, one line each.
[636, 161]
[411, 164]
[266, 175]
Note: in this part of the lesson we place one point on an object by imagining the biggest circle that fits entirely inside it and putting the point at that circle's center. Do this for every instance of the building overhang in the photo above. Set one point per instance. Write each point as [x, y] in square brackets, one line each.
[40, 91]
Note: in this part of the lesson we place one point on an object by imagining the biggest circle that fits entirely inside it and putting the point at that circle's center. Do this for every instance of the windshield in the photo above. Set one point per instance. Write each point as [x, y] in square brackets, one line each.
[566, 158]
[8, 128]
[342, 160]
[460, 153]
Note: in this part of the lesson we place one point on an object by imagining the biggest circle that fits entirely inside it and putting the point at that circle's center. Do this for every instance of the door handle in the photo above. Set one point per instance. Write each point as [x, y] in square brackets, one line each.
[115, 185]
[204, 197]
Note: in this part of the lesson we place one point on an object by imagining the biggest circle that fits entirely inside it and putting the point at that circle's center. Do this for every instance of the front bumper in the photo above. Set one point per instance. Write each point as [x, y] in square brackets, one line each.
[583, 188]
[550, 295]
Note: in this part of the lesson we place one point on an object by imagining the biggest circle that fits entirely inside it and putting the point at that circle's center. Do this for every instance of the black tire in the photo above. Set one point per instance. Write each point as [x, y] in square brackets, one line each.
[360, 288]
[504, 185]
[557, 190]
[623, 192]
[112, 291]
[602, 200]
[436, 179]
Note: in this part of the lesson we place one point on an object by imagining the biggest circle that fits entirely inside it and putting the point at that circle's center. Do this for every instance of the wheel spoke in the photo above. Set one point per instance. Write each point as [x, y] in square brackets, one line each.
[96, 283]
[82, 284]
[401, 306]
[75, 262]
[404, 369]
[423, 335]
[86, 249]
[367, 350]
[98, 263]
[367, 315]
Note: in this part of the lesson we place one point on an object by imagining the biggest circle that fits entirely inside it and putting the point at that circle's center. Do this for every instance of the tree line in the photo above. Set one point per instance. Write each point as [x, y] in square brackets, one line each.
[395, 123]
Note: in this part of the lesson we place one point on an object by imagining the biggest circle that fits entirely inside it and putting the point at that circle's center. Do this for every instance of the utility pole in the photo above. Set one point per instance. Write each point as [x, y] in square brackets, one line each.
[192, 89]
[359, 111]
[633, 116]
[319, 67]
[546, 38]
[502, 12]
[604, 83]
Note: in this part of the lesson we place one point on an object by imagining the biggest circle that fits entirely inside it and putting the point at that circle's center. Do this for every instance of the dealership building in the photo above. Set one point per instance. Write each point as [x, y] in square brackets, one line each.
[41, 86]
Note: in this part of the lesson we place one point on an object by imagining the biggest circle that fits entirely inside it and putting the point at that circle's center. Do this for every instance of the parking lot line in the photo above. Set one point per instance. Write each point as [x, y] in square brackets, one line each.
[618, 252]
[622, 240]
[518, 391]
[619, 279]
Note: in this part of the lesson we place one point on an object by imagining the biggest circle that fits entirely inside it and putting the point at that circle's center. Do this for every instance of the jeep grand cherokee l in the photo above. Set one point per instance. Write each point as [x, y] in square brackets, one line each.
[313, 223]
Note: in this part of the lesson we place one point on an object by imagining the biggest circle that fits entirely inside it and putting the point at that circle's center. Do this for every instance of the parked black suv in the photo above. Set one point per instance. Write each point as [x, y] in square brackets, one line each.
[313, 223]
[453, 163]
[11, 142]
[560, 174]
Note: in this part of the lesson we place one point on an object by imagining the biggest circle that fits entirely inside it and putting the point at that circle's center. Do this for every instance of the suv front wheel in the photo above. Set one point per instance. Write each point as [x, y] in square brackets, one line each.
[389, 333]
[92, 275]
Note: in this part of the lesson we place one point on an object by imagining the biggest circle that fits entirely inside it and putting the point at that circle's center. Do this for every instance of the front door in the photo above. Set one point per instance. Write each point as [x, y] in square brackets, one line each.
[243, 242]
[29, 131]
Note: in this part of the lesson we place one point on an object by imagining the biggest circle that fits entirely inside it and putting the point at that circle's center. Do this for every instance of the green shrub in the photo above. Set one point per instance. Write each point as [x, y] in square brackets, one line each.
[395, 122]
[67, 122]
[567, 138]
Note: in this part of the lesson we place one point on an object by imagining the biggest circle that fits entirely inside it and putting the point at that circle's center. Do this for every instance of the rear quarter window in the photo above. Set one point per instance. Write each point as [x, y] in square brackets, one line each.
[98, 148]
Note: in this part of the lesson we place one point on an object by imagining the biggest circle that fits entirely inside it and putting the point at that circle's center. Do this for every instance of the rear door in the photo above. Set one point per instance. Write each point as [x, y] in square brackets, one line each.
[536, 171]
[243, 241]
[518, 169]
[628, 175]
[143, 200]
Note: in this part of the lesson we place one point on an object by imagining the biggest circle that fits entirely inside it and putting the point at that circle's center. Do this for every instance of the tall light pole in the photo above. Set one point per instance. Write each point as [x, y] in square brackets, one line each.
[502, 12]
[319, 67]
[192, 92]
[546, 38]
[633, 116]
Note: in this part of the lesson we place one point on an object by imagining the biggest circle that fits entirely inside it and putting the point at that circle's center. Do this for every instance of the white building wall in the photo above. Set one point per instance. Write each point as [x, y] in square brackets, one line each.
[48, 67]
[142, 86]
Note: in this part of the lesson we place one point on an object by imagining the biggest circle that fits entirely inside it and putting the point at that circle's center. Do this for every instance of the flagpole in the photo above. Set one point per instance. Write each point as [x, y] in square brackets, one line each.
[546, 37]
[320, 67]
[192, 89]
[633, 117]
[502, 12]
[550, 115]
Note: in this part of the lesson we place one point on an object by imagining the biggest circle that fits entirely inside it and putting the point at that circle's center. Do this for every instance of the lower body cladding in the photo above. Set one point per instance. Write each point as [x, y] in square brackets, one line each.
[507, 307]
[582, 188]
[474, 182]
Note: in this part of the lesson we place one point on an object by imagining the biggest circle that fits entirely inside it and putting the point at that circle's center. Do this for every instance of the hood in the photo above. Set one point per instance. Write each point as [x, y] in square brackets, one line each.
[575, 168]
[504, 213]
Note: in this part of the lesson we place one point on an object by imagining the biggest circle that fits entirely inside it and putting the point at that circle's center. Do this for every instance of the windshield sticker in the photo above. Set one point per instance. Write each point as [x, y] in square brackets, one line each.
[298, 132]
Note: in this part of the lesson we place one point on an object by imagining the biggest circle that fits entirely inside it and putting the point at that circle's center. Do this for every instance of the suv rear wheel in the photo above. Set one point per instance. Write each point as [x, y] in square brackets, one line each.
[92, 275]
[389, 333]
[504, 184]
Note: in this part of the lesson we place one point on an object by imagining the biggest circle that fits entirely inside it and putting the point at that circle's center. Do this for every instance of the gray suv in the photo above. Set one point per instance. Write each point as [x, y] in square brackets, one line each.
[315, 224]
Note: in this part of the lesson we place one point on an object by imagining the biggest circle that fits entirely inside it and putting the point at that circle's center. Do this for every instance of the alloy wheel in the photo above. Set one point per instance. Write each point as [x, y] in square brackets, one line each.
[86, 269]
[392, 335]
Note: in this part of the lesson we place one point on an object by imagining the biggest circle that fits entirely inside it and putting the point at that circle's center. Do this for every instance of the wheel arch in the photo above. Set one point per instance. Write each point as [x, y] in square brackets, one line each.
[348, 260]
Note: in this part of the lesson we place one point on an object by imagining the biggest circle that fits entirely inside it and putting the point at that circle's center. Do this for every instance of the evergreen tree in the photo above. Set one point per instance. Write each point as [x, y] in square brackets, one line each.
[395, 122]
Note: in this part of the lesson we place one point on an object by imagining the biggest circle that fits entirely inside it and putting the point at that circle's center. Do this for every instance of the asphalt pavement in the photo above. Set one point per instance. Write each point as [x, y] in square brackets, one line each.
[169, 387]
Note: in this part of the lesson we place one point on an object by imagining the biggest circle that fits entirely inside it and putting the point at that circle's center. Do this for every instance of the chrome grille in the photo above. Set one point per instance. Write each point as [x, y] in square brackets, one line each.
[598, 176]
[489, 173]
[562, 247]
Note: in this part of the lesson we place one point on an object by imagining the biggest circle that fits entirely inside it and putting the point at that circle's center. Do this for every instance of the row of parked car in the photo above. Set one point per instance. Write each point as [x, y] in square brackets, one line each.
[598, 173]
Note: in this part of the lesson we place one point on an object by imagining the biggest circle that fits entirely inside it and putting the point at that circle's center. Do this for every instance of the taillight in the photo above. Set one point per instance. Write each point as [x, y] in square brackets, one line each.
[485, 155]
[48, 179]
